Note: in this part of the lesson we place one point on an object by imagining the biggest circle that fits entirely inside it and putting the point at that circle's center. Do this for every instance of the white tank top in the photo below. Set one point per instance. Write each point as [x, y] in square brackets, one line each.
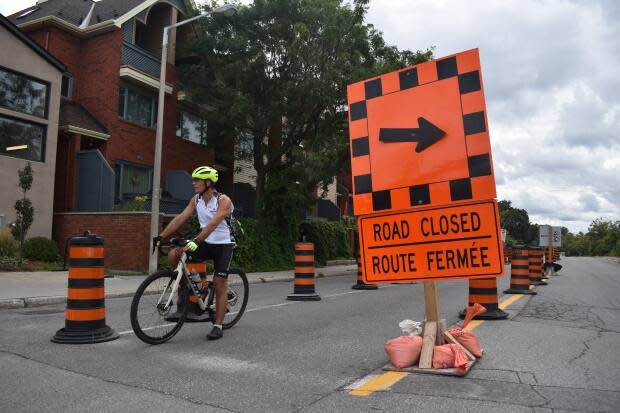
[221, 234]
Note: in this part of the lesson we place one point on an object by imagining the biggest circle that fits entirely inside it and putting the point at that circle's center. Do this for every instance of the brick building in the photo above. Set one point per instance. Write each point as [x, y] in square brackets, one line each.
[106, 138]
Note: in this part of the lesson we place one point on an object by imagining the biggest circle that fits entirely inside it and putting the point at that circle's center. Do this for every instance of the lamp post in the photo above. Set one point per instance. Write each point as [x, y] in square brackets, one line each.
[225, 10]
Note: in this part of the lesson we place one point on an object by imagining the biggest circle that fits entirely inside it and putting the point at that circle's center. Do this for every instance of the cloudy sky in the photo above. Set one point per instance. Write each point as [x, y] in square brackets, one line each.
[552, 87]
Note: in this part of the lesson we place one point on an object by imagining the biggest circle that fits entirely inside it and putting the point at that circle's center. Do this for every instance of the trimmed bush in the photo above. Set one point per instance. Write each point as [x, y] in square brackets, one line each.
[264, 249]
[8, 245]
[329, 238]
[41, 249]
[9, 263]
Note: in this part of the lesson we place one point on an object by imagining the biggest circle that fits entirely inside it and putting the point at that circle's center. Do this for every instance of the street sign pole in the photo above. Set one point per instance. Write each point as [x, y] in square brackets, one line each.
[550, 242]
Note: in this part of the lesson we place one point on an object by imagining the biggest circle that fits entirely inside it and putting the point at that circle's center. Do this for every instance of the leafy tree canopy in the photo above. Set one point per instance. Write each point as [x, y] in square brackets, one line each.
[274, 78]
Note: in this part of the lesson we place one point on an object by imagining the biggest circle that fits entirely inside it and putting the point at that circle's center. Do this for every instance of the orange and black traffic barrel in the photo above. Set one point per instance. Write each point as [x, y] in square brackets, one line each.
[194, 311]
[507, 253]
[303, 283]
[520, 272]
[484, 291]
[85, 313]
[360, 284]
[535, 263]
[549, 254]
[556, 254]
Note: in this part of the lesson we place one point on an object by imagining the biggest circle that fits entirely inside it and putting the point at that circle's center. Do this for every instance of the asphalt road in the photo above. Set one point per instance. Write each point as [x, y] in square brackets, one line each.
[558, 350]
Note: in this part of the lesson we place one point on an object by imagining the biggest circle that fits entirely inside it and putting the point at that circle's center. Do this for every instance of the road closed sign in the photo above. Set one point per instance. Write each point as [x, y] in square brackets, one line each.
[450, 242]
[419, 137]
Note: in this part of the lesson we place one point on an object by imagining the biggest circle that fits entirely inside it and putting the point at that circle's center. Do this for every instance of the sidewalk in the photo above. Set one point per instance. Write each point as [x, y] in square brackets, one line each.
[31, 289]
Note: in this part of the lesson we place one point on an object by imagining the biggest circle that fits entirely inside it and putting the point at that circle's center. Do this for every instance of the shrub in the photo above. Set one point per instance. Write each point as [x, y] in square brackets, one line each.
[264, 248]
[9, 263]
[41, 248]
[8, 245]
[329, 238]
[136, 204]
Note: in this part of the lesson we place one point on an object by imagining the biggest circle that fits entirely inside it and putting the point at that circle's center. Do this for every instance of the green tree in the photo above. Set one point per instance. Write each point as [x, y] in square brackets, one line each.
[23, 207]
[603, 236]
[274, 77]
[517, 223]
[582, 246]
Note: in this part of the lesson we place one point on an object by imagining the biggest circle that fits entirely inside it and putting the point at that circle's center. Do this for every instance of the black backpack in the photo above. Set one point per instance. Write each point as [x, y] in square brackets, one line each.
[234, 226]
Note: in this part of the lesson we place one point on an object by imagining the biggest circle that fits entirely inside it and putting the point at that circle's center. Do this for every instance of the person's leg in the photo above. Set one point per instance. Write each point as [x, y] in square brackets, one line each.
[221, 263]
[174, 255]
[221, 298]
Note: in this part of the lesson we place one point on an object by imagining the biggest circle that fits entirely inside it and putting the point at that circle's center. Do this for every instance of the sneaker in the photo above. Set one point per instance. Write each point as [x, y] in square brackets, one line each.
[215, 334]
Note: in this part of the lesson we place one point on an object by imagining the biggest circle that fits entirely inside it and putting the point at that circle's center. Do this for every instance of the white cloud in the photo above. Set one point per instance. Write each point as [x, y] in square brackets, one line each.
[9, 7]
[552, 90]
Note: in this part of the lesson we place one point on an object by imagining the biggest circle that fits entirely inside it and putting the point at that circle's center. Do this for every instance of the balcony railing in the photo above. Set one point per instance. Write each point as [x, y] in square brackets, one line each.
[141, 59]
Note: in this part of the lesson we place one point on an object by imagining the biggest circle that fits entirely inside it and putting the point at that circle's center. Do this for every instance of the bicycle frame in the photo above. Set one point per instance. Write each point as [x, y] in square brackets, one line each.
[181, 271]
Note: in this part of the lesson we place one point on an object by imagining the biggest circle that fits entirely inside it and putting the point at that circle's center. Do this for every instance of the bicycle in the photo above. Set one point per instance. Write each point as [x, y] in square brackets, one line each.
[156, 298]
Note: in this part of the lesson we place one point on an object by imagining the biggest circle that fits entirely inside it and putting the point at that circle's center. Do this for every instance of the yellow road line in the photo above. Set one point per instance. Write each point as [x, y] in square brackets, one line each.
[510, 300]
[382, 382]
[388, 379]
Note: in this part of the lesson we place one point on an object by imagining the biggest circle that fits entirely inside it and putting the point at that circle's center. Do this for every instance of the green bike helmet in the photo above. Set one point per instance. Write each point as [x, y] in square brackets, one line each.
[205, 172]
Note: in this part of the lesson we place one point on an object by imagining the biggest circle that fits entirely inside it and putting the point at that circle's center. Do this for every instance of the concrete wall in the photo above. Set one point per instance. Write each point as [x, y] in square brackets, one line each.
[23, 59]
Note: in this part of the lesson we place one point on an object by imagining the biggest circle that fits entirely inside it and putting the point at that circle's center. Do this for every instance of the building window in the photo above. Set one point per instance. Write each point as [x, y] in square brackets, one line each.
[132, 180]
[66, 89]
[137, 106]
[21, 139]
[23, 94]
[192, 128]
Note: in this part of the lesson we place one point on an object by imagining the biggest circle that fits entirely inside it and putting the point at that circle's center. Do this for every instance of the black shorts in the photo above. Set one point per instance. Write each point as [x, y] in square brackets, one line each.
[221, 254]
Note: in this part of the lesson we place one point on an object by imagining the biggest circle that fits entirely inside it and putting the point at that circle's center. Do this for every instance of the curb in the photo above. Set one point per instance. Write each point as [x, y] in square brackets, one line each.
[29, 302]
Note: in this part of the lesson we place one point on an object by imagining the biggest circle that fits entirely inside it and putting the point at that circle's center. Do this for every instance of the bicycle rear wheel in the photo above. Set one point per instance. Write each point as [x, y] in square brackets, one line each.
[149, 312]
[238, 292]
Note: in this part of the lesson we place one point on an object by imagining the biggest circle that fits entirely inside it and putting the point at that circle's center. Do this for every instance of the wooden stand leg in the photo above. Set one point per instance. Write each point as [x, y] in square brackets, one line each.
[430, 326]
[430, 300]
[428, 343]
[441, 330]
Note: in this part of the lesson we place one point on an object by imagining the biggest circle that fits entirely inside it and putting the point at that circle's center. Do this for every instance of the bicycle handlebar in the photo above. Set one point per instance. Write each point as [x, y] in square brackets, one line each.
[174, 242]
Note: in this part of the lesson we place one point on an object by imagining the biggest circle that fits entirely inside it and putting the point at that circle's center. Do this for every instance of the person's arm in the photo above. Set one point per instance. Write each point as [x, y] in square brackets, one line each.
[180, 219]
[224, 208]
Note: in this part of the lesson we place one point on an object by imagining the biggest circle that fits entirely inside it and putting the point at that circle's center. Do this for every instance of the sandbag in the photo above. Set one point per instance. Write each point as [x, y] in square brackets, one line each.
[467, 339]
[471, 311]
[449, 356]
[404, 351]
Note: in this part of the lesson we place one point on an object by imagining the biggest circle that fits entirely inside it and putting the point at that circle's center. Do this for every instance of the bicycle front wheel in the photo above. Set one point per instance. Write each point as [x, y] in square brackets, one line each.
[238, 291]
[149, 313]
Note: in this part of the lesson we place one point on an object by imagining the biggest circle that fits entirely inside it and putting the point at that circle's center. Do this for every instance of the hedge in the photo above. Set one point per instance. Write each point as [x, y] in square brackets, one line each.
[41, 248]
[263, 249]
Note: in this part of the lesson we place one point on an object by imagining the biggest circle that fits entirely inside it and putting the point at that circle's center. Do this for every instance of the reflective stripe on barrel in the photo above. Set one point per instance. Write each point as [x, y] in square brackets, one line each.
[520, 270]
[85, 294]
[483, 291]
[304, 268]
[200, 268]
[535, 262]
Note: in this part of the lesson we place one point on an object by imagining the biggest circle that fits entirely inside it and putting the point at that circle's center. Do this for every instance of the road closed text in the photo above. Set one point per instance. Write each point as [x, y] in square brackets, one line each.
[439, 243]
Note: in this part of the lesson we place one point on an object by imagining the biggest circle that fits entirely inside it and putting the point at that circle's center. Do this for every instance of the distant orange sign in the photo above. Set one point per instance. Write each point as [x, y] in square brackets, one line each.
[460, 241]
[419, 137]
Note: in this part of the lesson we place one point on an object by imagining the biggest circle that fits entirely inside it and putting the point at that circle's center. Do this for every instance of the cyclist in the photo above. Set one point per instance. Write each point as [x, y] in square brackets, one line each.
[212, 242]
